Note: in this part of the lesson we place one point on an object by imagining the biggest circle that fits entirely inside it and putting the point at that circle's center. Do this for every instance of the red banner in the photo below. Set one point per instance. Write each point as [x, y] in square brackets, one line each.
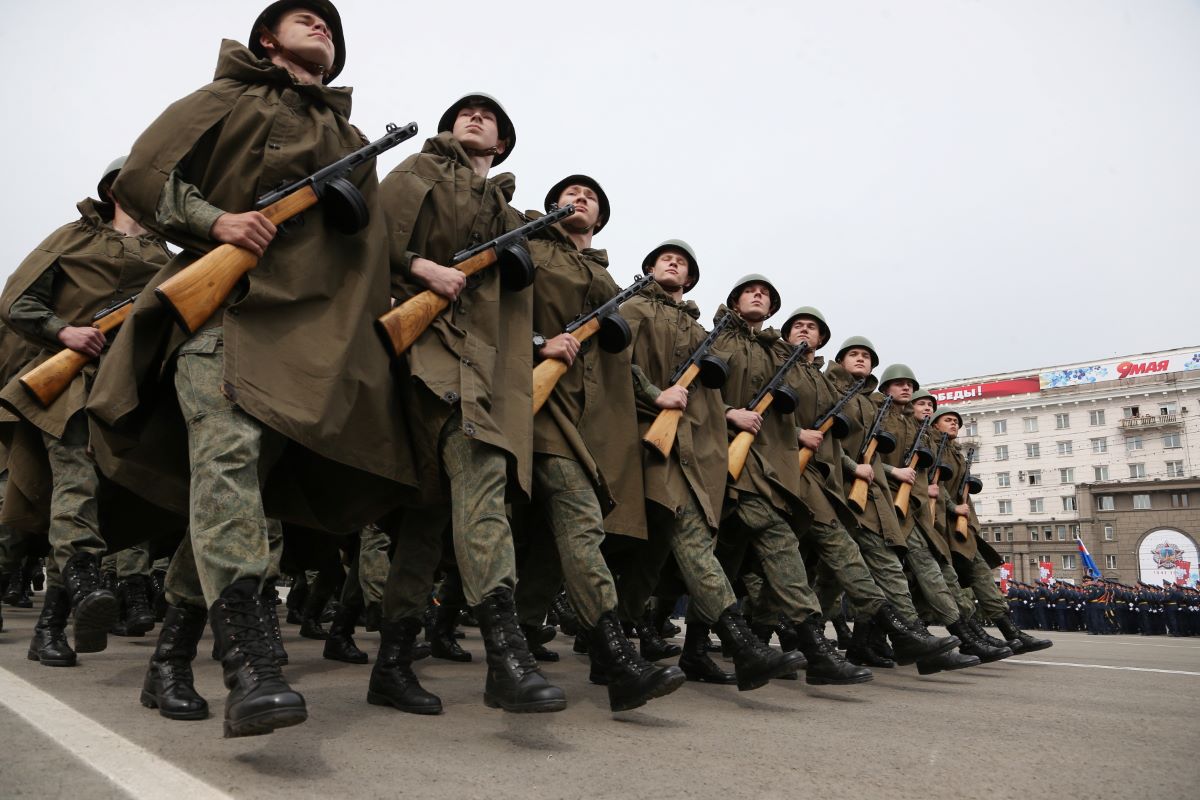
[1182, 570]
[1006, 572]
[978, 391]
[1045, 570]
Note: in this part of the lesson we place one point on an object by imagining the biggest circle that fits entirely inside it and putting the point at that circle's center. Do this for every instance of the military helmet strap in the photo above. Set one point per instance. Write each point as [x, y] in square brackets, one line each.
[311, 66]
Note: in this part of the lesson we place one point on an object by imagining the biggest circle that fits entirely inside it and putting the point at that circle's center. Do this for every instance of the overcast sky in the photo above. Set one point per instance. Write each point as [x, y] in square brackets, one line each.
[978, 186]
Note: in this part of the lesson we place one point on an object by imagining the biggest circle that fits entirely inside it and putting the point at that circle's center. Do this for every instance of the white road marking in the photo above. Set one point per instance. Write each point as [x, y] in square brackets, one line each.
[1101, 666]
[133, 768]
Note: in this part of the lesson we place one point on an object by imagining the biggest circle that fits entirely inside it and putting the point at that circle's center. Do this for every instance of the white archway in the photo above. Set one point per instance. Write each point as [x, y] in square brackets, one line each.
[1158, 552]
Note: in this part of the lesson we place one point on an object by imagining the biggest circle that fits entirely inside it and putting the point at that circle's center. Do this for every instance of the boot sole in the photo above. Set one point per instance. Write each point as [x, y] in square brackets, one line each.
[352, 660]
[817, 681]
[377, 699]
[787, 670]
[1033, 648]
[663, 688]
[914, 658]
[927, 671]
[536, 707]
[266, 722]
[93, 617]
[150, 701]
[727, 679]
[52, 662]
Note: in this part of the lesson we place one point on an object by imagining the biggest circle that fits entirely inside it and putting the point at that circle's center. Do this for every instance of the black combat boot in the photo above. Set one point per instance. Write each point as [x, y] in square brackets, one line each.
[340, 645]
[861, 651]
[946, 661]
[310, 614]
[37, 568]
[514, 682]
[440, 635]
[295, 600]
[17, 592]
[372, 617]
[564, 616]
[580, 645]
[169, 685]
[651, 644]
[754, 663]
[842, 629]
[910, 644]
[972, 645]
[137, 618]
[49, 644]
[878, 642]
[393, 682]
[158, 587]
[260, 700]
[536, 637]
[270, 607]
[95, 608]
[631, 680]
[984, 636]
[1023, 640]
[825, 664]
[695, 662]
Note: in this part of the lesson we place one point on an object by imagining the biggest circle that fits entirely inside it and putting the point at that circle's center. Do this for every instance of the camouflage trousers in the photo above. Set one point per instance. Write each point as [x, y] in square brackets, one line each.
[229, 535]
[130, 561]
[572, 511]
[685, 534]
[928, 577]
[418, 552]
[539, 567]
[74, 517]
[991, 604]
[841, 565]
[963, 599]
[373, 562]
[755, 526]
[885, 570]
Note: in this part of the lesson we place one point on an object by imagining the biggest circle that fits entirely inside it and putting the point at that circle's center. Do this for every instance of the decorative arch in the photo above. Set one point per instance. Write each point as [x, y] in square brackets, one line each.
[1160, 549]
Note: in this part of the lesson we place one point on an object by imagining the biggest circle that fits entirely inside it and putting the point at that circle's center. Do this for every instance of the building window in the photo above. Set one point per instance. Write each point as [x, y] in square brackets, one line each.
[1030, 424]
[1109, 534]
[1066, 475]
[1036, 506]
[1095, 417]
[1068, 561]
[1000, 426]
[1005, 508]
[1174, 469]
[971, 429]
[1169, 407]
[1065, 448]
[1179, 500]
[1035, 477]
[1100, 473]
[1008, 533]
[1002, 453]
[1133, 443]
[1032, 450]
[1034, 535]
[1137, 470]
[1003, 480]
[1104, 502]
[1141, 502]
[1171, 441]
[995, 534]
[1060, 532]
[1130, 411]
[1100, 445]
[1110, 562]
[1069, 503]
[1062, 421]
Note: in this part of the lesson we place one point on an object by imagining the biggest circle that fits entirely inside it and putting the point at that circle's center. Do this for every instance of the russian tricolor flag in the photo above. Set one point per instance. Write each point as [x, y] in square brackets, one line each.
[1089, 566]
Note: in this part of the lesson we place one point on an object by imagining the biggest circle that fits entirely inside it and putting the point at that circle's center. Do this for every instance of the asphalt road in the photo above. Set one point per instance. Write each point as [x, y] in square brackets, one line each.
[1092, 717]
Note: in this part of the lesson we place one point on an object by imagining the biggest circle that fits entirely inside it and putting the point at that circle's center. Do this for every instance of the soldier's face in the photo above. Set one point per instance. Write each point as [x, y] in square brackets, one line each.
[901, 391]
[805, 329]
[305, 34]
[948, 424]
[857, 361]
[922, 409]
[754, 303]
[587, 208]
[476, 128]
[671, 270]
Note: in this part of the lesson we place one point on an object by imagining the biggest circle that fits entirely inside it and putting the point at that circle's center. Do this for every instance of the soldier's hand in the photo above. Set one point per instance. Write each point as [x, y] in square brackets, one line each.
[250, 231]
[673, 397]
[905, 474]
[934, 491]
[864, 472]
[89, 341]
[811, 438]
[444, 281]
[963, 510]
[744, 419]
[564, 347]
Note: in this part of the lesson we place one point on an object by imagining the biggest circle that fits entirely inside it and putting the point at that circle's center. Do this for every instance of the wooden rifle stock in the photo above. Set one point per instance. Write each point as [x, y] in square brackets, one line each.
[905, 490]
[806, 454]
[48, 380]
[661, 435]
[962, 525]
[739, 448]
[405, 323]
[195, 293]
[859, 489]
[547, 373]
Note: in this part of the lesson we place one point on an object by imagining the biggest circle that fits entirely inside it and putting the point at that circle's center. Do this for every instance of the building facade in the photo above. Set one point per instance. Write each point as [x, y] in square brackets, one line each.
[1108, 451]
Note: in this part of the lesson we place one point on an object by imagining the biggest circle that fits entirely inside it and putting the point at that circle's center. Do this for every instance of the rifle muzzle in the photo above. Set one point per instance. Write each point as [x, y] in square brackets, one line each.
[784, 399]
[614, 335]
[884, 442]
[841, 426]
[713, 371]
[924, 458]
[516, 267]
[344, 207]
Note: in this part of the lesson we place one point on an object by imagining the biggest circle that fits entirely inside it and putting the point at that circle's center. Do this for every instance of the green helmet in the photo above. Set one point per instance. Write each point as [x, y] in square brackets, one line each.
[946, 412]
[322, 8]
[579, 180]
[896, 372]
[753, 277]
[110, 175]
[814, 313]
[508, 133]
[924, 396]
[683, 247]
[858, 341]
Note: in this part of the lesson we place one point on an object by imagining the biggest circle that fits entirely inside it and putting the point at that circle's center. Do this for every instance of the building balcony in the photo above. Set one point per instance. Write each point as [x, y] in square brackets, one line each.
[1134, 424]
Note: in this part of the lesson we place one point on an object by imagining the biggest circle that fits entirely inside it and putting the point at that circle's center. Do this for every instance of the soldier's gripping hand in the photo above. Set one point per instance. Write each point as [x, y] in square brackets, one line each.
[445, 281]
[563, 347]
[864, 472]
[89, 341]
[934, 491]
[744, 419]
[811, 438]
[672, 397]
[250, 231]
[905, 475]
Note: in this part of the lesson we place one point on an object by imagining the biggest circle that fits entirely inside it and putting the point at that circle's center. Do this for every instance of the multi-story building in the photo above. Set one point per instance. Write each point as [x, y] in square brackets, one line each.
[1108, 451]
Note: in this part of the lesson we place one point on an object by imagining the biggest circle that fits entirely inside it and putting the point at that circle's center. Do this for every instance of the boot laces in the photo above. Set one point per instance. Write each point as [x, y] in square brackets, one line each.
[247, 635]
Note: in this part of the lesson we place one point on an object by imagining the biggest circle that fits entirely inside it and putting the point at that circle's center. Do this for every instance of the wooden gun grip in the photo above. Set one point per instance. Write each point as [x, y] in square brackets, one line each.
[904, 493]
[962, 525]
[806, 454]
[739, 451]
[547, 373]
[860, 488]
[661, 435]
[48, 380]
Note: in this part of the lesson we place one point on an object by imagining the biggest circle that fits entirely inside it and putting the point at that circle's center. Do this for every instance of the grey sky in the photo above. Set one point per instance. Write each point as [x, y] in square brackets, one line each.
[977, 186]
